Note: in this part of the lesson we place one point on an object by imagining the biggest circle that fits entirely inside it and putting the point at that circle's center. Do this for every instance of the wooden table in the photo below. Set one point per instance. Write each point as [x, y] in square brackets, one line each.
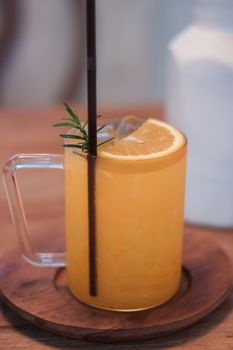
[31, 131]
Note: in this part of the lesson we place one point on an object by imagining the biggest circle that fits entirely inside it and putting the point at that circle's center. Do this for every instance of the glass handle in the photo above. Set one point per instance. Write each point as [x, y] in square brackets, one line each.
[29, 161]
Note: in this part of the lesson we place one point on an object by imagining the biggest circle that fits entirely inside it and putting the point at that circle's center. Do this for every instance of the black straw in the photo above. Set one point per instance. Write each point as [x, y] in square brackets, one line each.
[92, 145]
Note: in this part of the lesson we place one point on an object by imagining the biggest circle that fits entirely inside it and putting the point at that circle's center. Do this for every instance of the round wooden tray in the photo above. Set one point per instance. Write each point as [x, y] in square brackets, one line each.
[41, 296]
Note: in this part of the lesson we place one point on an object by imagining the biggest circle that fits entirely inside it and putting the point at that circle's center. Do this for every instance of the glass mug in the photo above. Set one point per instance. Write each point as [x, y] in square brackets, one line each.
[139, 226]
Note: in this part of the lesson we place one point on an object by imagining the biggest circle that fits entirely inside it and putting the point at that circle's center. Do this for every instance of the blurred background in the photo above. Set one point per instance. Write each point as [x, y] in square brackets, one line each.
[150, 53]
[42, 50]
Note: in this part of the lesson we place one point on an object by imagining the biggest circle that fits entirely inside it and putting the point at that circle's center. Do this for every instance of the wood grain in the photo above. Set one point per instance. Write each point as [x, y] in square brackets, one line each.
[31, 131]
[41, 296]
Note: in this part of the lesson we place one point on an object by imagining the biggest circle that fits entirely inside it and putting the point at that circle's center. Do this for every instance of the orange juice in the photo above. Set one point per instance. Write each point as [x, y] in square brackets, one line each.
[139, 228]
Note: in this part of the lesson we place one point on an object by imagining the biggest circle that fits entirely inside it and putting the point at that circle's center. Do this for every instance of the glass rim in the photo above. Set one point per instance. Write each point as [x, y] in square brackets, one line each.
[127, 161]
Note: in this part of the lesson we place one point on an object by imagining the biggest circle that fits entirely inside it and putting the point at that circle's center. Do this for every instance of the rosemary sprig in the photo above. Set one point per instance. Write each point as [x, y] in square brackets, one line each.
[73, 121]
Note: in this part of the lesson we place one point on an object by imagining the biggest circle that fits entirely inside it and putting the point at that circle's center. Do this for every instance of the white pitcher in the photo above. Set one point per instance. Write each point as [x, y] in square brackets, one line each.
[199, 101]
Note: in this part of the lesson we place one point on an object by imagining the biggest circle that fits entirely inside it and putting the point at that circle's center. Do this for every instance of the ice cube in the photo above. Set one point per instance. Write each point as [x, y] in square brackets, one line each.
[127, 125]
[107, 132]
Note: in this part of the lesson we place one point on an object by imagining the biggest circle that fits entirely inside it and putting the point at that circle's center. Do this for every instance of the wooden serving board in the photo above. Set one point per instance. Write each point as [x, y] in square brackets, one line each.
[41, 296]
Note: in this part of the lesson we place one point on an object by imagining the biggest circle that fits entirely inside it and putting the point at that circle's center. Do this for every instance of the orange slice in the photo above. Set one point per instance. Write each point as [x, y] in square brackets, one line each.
[152, 139]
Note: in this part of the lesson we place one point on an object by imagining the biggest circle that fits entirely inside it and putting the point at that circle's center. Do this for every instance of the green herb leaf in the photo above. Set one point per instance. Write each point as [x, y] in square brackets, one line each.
[73, 146]
[106, 141]
[70, 119]
[74, 121]
[101, 127]
[71, 112]
[69, 136]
